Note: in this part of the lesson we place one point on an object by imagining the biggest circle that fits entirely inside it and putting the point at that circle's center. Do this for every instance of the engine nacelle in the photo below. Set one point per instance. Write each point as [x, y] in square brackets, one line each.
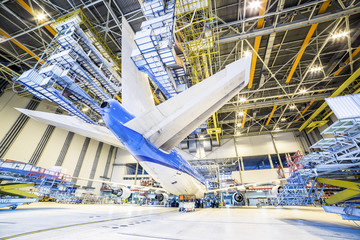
[122, 192]
[276, 190]
[238, 197]
[162, 197]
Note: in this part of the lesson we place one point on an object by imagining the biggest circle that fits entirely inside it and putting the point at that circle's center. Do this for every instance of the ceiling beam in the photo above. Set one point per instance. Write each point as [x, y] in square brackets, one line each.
[255, 105]
[292, 25]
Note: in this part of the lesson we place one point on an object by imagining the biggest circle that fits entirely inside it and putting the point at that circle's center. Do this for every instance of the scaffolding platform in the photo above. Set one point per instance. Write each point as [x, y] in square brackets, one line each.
[52, 183]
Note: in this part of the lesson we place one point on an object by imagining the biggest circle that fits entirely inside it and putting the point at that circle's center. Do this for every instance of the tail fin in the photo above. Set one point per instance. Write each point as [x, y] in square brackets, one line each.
[170, 122]
[136, 92]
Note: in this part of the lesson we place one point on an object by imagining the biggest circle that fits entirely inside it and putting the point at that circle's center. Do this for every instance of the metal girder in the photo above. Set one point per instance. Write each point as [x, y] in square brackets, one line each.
[270, 14]
[343, 86]
[292, 25]
[310, 33]
[20, 45]
[255, 105]
[30, 10]
[352, 189]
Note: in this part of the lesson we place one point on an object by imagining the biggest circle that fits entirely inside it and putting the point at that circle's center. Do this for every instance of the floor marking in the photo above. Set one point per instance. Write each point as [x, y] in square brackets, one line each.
[81, 224]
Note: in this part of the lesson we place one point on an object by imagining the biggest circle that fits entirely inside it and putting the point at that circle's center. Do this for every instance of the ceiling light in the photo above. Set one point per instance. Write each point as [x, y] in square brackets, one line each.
[277, 129]
[100, 121]
[302, 91]
[255, 4]
[242, 100]
[237, 133]
[41, 16]
[241, 114]
[239, 124]
[247, 54]
[292, 107]
[339, 35]
[85, 109]
[283, 119]
[315, 69]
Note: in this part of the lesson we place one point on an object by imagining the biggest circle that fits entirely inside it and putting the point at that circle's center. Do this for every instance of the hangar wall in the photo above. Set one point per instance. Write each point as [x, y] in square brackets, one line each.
[74, 153]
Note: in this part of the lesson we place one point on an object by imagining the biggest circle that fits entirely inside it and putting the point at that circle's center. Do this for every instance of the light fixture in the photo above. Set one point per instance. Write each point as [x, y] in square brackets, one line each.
[247, 54]
[239, 124]
[237, 133]
[303, 91]
[100, 121]
[41, 16]
[339, 35]
[255, 4]
[242, 100]
[241, 114]
[283, 119]
[277, 129]
[292, 107]
[315, 69]
[85, 109]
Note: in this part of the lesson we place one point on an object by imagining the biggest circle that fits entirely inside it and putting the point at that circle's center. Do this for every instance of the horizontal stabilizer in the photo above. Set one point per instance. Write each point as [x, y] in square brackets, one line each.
[169, 123]
[72, 124]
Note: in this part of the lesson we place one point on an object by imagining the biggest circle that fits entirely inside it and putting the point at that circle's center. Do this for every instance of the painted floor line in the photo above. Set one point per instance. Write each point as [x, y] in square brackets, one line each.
[81, 224]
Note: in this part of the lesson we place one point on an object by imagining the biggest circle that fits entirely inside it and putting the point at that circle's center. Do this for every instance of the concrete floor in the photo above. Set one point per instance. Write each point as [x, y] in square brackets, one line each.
[65, 221]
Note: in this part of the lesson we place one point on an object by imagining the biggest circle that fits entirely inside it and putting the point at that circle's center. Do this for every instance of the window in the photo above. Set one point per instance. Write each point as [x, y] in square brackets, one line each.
[257, 162]
[131, 169]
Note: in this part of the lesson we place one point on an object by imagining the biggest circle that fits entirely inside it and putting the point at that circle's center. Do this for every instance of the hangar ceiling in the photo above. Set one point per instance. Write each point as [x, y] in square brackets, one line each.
[305, 50]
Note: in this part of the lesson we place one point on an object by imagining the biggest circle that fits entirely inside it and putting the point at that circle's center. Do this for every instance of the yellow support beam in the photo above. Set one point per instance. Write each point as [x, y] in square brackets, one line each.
[313, 27]
[29, 9]
[352, 189]
[118, 98]
[260, 24]
[271, 114]
[244, 119]
[343, 86]
[7, 70]
[347, 61]
[2, 32]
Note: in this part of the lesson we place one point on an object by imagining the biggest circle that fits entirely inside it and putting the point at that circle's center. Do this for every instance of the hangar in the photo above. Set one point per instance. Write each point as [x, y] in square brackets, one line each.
[179, 119]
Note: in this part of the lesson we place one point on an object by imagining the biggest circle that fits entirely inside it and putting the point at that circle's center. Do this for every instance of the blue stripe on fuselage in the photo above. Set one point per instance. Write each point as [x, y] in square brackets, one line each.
[139, 147]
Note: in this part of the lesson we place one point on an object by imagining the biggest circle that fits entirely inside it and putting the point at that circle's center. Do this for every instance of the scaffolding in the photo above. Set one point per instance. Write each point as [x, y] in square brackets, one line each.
[334, 160]
[78, 73]
[156, 53]
[47, 182]
[197, 37]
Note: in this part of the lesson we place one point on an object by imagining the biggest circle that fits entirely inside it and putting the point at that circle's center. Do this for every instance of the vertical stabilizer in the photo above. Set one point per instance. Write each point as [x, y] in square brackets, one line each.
[136, 92]
[170, 122]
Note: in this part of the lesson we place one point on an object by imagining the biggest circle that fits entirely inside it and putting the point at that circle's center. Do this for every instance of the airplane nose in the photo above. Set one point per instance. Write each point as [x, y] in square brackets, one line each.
[105, 104]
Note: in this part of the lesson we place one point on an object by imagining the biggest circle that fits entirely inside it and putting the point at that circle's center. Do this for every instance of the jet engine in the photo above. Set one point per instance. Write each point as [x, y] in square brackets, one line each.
[162, 197]
[276, 190]
[122, 192]
[238, 197]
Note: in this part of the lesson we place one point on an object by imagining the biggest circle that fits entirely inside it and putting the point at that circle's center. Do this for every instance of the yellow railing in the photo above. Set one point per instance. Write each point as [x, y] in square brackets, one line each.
[197, 36]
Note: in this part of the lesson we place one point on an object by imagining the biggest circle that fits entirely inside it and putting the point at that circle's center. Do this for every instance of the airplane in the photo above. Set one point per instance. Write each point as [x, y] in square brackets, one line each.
[151, 136]
[150, 133]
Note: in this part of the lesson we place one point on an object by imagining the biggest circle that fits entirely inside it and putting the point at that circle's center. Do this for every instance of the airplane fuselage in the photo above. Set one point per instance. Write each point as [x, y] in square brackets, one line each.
[173, 172]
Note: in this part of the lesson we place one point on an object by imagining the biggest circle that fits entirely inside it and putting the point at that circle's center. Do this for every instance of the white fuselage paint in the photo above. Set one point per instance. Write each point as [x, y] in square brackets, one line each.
[174, 181]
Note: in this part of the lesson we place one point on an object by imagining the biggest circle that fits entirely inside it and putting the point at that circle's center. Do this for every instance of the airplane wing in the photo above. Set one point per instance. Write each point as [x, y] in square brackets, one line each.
[242, 187]
[132, 187]
[72, 124]
[167, 124]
